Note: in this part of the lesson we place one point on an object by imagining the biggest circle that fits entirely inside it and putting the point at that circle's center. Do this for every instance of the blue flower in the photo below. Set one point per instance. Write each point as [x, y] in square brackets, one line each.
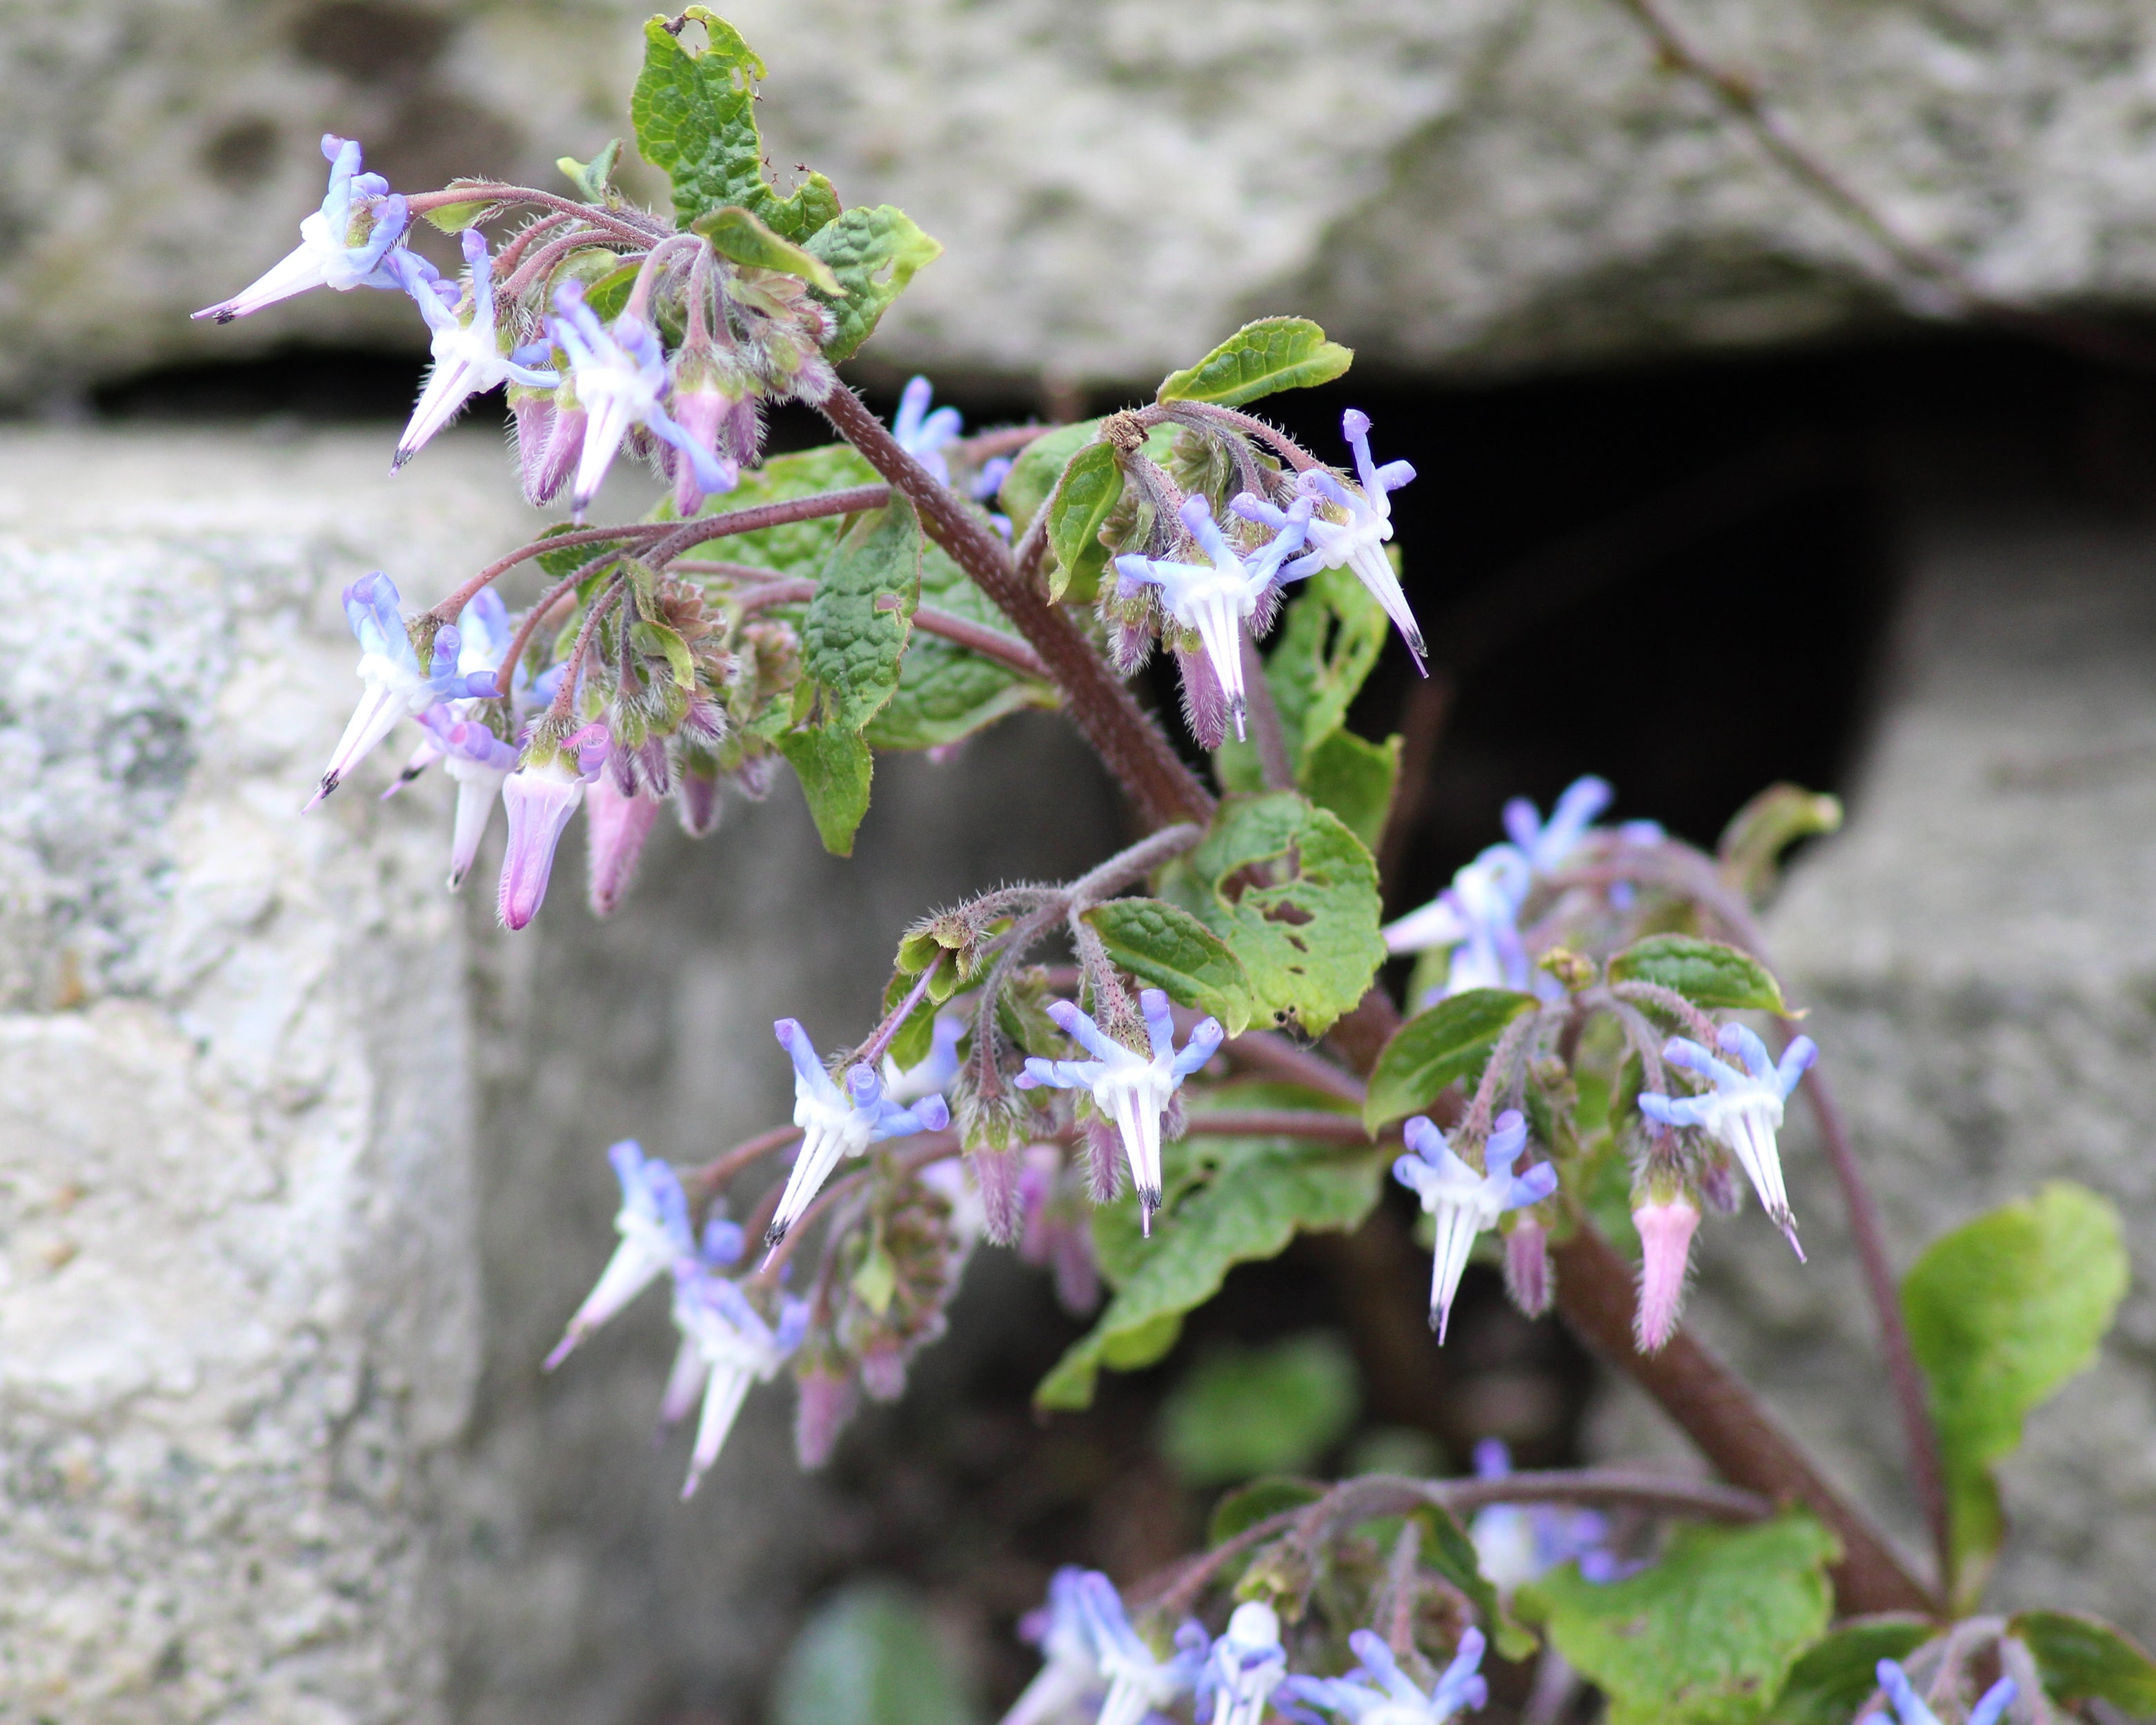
[1214, 599]
[1515, 1542]
[343, 245]
[1477, 918]
[652, 1222]
[1243, 1669]
[1139, 1680]
[726, 1346]
[1380, 1694]
[837, 1122]
[1910, 1709]
[1546, 845]
[397, 687]
[1066, 1689]
[469, 359]
[1743, 1110]
[925, 435]
[1127, 1087]
[620, 377]
[1465, 1200]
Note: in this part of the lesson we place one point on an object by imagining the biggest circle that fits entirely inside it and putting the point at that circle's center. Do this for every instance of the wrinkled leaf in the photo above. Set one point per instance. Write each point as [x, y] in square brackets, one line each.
[854, 631]
[1708, 1636]
[1294, 894]
[869, 1656]
[833, 768]
[1273, 353]
[694, 110]
[1259, 1500]
[872, 253]
[736, 233]
[798, 548]
[2081, 1658]
[1241, 1411]
[1169, 949]
[1445, 1046]
[1705, 973]
[946, 691]
[2002, 1311]
[1092, 485]
[1828, 1685]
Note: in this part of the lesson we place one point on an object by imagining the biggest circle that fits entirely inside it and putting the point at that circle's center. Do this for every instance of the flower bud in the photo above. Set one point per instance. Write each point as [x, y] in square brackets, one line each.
[705, 414]
[1666, 1231]
[826, 1403]
[540, 801]
[616, 824]
[1527, 1266]
[696, 800]
[996, 1177]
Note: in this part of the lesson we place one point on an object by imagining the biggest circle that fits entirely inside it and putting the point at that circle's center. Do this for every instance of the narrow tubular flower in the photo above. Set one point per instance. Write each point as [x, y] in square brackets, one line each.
[726, 1346]
[397, 687]
[925, 435]
[1139, 1682]
[1378, 1692]
[1666, 1231]
[1463, 1199]
[468, 358]
[652, 1222]
[618, 372]
[479, 762]
[837, 1121]
[1243, 1669]
[1127, 1087]
[1215, 599]
[540, 796]
[345, 244]
[1909, 1707]
[1067, 1688]
[1743, 1110]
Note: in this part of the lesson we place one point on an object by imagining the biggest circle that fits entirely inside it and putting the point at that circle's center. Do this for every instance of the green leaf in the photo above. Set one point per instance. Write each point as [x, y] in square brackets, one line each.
[833, 768]
[660, 642]
[1355, 780]
[695, 114]
[1708, 1636]
[610, 292]
[1259, 1501]
[872, 254]
[1752, 842]
[799, 548]
[1230, 1200]
[1172, 950]
[2001, 1312]
[855, 632]
[1273, 353]
[1092, 485]
[560, 565]
[946, 691]
[869, 1656]
[736, 233]
[1242, 1411]
[455, 218]
[1705, 973]
[2081, 1658]
[1038, 469]
[1828, 1685]
[1294, 894]
[590, 178]
[1433, 1049]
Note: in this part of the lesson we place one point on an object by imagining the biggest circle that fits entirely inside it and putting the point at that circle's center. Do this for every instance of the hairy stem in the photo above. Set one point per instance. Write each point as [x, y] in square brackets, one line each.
[1126, 867]
[640, 229]
[450, 608]
[681, 534]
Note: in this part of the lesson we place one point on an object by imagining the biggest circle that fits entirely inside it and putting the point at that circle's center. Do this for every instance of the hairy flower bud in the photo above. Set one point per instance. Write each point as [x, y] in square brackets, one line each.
[1665, 1229]
[616, 823]
[1527, 1266]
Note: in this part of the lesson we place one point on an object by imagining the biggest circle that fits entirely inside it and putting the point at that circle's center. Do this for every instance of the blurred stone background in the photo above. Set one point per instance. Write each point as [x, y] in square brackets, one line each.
[300, 1161]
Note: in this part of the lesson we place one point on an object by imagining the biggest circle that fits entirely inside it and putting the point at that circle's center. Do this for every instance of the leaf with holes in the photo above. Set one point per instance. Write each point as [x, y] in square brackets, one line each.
[1830, 1683]
[1705, 973]
[2002, 1311]
[1092, 485]
[946, 691]
[1708, 1636]
[855, 632]
[736, 233]
[1447, 1044]
[1273, 353]
[694, 109]
[1169, 949]
[1295, 895]
[873, 251]
[2083, 1659]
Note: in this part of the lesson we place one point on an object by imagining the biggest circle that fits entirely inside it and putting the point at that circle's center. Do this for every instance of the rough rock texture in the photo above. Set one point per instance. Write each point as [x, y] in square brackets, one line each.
[238, 1312]
[1980, 956]
[585, 1592]
[1489, 183]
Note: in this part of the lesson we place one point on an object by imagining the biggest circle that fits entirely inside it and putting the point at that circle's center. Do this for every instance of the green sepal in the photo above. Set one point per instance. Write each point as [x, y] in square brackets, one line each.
[736, 233]
[694, 111]
[1271, 354]
[1170, 949]
[455, 218]
[658, 641]
[2083, 1658]
[1705, 973]
[2001, 1312]
[834, 767]
[1433, 1049]
[1091, 487]
[911, 1044]
[608, 295]
[872, 252]
[1246, 1505]
[1832, 1680]
[1294, 894]
[592, 178]
[1708, 1636]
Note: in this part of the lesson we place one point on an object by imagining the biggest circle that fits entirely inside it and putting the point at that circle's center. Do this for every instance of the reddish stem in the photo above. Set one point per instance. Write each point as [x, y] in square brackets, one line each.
[448, 609]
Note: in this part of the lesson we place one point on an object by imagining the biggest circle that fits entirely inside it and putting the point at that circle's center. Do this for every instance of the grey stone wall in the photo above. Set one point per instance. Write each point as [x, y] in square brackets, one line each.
[1494, 183]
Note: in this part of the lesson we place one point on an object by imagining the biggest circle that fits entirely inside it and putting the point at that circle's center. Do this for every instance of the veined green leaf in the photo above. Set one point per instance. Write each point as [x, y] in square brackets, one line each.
[1355, 780]
[1294, 894]
[1170, 949]
[872, 254]
[694, 110]
[1433, 1049]
[1708, 1636]
[735, 233]
[946, 691]
[833, 767]
[855, 629]
[1705, 973]
[1273, 353]
[1092, 485]
[1039, 469]
[1828, 1685]
[2083, 1658]
[870, 1656]
[2002, 1311]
